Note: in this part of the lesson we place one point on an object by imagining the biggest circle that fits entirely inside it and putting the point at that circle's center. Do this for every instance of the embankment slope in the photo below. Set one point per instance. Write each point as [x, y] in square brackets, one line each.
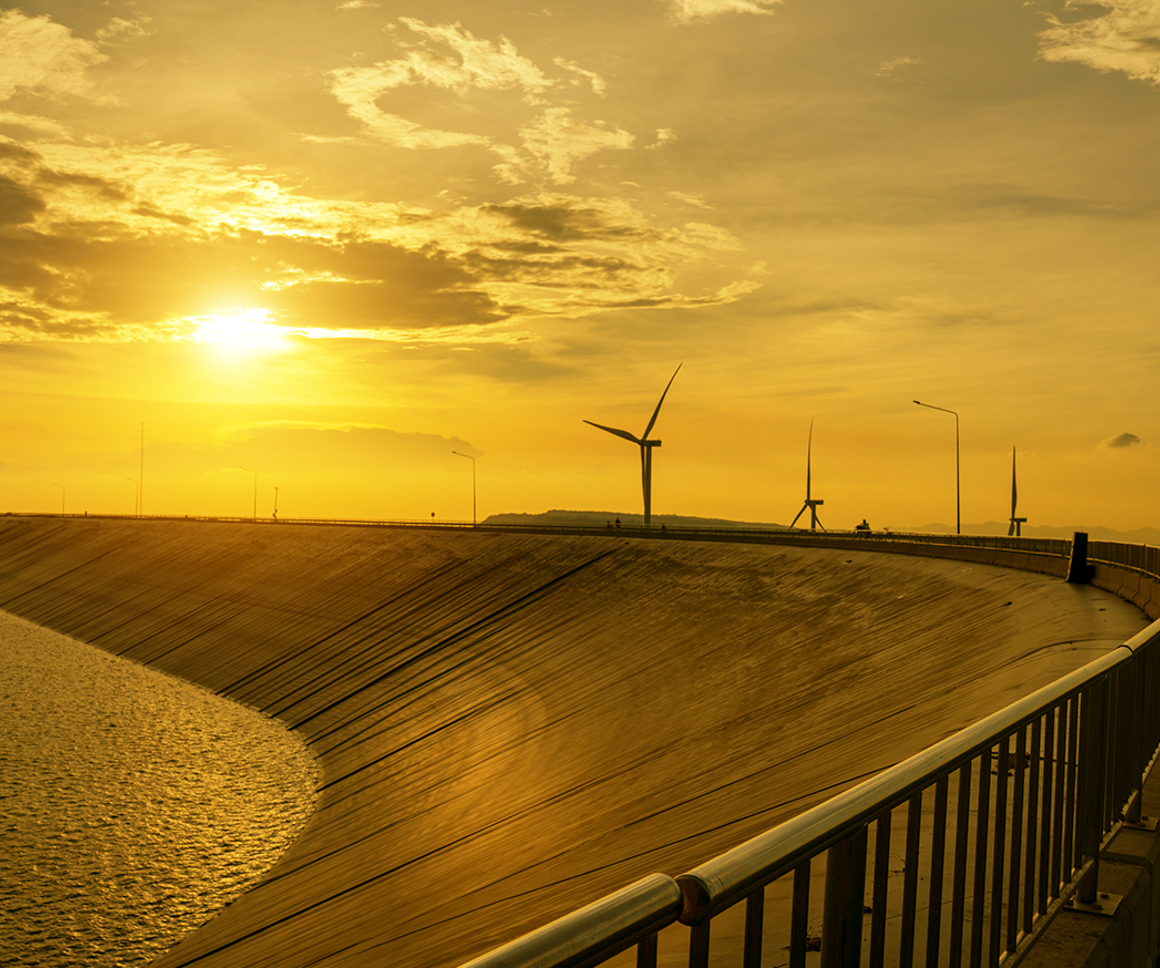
[512, 725]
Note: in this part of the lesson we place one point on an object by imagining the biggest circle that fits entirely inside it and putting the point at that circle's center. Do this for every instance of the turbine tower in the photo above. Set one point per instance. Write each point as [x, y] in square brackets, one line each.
[646, 447]
[811, 503]
[1014, 529]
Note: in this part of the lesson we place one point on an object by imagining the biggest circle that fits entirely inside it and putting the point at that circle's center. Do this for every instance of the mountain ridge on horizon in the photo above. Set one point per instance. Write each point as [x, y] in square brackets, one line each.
[562, 517]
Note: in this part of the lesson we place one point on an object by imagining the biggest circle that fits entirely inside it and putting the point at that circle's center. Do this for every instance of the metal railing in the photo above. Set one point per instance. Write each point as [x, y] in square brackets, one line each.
[999, 827]
[1144, 559]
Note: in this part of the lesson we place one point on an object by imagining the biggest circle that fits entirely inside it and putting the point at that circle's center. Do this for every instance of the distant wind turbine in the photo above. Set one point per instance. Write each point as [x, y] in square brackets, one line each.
[1015, 522]
[811, 503]
[646, 447]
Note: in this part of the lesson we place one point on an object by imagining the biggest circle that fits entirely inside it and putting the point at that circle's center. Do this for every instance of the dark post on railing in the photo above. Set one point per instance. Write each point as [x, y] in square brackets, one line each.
[1079, 572]
[845, 890]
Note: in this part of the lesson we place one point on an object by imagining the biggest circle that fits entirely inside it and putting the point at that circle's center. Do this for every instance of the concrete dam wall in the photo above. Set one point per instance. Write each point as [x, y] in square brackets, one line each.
[512, 725]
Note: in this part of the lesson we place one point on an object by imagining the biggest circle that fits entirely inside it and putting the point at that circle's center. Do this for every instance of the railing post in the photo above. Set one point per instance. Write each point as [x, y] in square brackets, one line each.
[646, 952]
[845, 896]
[1092, 765]
[1137, 718]
[699, 945]
[1079, 572]
[754, 928]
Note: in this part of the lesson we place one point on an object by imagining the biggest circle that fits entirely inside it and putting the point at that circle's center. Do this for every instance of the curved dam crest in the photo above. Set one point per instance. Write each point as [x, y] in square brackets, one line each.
[510, 726]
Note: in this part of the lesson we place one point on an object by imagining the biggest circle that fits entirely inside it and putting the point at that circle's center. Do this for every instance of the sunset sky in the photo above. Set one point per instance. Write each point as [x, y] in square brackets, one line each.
[322, 245]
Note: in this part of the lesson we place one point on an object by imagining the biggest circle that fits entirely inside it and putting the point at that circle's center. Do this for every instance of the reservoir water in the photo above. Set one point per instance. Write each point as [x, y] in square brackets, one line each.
[133, 805]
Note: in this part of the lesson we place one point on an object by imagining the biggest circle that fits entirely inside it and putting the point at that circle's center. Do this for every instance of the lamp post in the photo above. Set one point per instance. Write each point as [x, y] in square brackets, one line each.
[958, 491]
[472, 459]
[136, 495]
[61, 486]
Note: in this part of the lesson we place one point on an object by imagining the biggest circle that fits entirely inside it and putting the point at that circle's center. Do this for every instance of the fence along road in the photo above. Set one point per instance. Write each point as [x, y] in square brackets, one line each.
[478, 781]
[1002, 826]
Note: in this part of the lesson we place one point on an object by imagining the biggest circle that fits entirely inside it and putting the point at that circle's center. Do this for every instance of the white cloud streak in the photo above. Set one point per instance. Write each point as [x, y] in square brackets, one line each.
[559, 141]
[1126, 38]
[476, 63]
[448, 57]
[44, 57]
[690, 11]
[891, 67]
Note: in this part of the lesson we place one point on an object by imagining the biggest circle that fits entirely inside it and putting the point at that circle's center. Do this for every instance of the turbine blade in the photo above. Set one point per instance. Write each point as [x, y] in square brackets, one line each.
[612, 430]
[644, 436]
[1014, 492]
[809, 453]
[798, 515]
[1011, 527]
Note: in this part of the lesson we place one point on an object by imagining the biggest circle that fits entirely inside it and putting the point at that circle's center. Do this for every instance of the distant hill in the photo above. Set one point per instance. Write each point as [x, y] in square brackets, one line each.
[598, 519]
[1150, 536]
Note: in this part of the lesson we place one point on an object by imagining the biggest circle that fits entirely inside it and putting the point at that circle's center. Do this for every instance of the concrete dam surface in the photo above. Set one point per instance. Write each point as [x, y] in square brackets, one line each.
[512, 725]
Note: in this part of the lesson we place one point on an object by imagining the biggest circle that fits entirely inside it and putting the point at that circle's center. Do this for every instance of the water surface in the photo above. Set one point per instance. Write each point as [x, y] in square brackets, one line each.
[133, 805]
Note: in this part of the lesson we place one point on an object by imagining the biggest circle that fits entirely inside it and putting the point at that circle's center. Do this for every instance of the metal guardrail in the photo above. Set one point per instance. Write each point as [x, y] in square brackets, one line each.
[1144, 559]
[1021, 805]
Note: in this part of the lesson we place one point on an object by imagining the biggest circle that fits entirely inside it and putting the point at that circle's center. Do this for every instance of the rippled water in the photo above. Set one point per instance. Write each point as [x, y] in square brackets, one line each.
[133, 805]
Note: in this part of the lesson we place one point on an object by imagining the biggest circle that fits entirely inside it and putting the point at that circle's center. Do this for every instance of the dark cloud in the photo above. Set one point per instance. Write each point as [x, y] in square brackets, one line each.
[530, 247]
[357, 284]
[306, 448]
[565, 221]
[18, 153]
[150, 212]
[1123, 440]
[574, 271]
[503, 362]
[18, 205]
[1018, 200]
[98, 186]
[375, 284]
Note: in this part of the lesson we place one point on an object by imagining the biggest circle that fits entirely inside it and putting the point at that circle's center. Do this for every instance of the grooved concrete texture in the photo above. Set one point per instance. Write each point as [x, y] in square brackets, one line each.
[511, 726]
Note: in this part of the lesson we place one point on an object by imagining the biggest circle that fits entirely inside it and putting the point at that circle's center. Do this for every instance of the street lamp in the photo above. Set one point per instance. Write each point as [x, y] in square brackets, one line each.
[472, 459]
[61, 486]
[958, 491]
[136, 496]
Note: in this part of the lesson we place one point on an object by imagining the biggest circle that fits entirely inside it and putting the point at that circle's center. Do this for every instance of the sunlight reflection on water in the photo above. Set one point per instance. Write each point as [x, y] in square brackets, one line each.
[133, 805]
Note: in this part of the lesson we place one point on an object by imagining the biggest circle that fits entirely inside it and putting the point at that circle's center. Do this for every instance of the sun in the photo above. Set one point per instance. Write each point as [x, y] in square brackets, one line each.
[240, 331]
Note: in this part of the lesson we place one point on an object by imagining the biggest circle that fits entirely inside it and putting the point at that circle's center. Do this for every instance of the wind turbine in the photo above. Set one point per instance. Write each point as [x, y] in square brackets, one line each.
[1014, 529]
[811, 503]
[646, 447]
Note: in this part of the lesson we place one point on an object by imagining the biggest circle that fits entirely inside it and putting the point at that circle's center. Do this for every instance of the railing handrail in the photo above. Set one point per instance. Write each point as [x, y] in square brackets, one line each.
[596, 932]
[741, 872]
[719, 883]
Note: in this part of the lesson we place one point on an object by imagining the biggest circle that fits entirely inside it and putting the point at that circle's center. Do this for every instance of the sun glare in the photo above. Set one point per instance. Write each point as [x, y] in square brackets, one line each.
[240, 331]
